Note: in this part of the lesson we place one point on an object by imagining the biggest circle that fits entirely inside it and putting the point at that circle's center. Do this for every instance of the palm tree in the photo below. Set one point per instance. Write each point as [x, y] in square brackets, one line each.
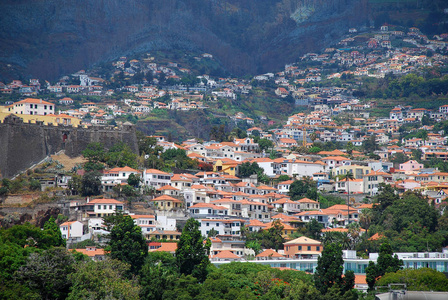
[347, 177]
[365, 218]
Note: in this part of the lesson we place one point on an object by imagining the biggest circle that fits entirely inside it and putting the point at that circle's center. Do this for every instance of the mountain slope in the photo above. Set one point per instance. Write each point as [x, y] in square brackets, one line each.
[48, 38]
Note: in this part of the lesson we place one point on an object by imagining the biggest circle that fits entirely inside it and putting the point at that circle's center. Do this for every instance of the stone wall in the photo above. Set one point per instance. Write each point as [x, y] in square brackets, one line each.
[24, 144]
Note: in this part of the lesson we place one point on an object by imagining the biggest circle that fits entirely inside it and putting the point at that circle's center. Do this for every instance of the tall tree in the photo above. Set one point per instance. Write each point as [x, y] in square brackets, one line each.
[385, 263]
[347, 177]
[314, 229]
[47, 273]
[275, 235]
[127, 243]
[329, 268]
[265, 144]
[94, 152]
[134, 180]
[53, 230]
[91, 184]
[102, 280]
[158, 275]
[303, 188]
[191, 252]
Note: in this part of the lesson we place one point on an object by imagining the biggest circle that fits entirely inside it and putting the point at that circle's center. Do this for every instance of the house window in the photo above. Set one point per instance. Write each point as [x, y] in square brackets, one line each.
[35, 106]
[317, 248]
[110, 206]
[308, 248]
[300, 247]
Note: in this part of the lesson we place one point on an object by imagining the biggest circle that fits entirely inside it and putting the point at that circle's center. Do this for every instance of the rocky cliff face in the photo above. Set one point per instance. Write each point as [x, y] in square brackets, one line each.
[48, 38]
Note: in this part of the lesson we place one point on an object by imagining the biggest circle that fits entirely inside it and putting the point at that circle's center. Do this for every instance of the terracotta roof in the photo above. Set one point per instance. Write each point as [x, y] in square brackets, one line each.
[306, 200]
[376, 237]
[167, 247]
[142, 216]
[256, 223]
[337, 158]
[226, 254]
[198, 205]
[90, 253]
[303, 240]
[34, 101]
[124, 169]
[67, 223]
[104, 201]
[167, 187]
[284, 217]
[269, 253]
[166, 198]
[155, 171]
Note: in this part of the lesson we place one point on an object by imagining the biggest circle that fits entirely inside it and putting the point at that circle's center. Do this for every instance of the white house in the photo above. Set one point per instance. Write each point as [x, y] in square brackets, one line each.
[156, 178]
[286, 206]
[71, 230]
[283, 187]
[221, 227]
[104, 207]
[146, 222]
[116, 176]
[208, 210]
[354, 186]
[31, 106]
[302, 168]
[336, 161]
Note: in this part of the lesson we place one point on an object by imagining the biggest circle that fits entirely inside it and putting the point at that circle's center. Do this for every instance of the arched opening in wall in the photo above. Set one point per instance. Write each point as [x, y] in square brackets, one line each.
[64, 137]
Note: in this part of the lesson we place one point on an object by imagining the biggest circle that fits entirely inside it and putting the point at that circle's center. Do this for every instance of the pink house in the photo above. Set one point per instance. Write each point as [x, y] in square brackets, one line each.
[410, 166]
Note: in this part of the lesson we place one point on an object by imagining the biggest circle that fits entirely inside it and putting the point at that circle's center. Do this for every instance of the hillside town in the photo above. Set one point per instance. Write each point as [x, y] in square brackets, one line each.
[268, 174]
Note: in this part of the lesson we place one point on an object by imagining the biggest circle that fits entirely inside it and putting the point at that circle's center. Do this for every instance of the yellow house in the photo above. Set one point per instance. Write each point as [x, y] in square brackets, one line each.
[357, 171]
[226, 165]
[60, 119]
[166, 202]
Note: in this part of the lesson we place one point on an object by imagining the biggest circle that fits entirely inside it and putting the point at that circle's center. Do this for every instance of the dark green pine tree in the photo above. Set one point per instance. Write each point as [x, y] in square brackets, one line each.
[52, 230]
[192, 253]
[127, 243]
[329, 268]
[386, 263]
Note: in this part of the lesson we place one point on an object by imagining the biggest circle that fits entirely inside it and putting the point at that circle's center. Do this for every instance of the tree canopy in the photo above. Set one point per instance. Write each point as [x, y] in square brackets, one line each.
[192, 253]
[127, 243]
[385, 263]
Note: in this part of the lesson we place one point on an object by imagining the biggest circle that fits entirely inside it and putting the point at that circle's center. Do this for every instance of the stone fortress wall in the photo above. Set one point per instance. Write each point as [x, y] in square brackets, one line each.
[24, 144]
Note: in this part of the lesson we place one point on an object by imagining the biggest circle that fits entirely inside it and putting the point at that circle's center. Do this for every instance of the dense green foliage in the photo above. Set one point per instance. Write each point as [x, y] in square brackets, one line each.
[386, 263]
[303, 188]
[409, 222]
[191, 253]
[246, 169]
[267, 239]
[47, 273]
[158, 275]
[153, 155]
[102, 280]
[119, 155]
[54, 273]
[429, 84]
[423, 279]
[127, 243]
